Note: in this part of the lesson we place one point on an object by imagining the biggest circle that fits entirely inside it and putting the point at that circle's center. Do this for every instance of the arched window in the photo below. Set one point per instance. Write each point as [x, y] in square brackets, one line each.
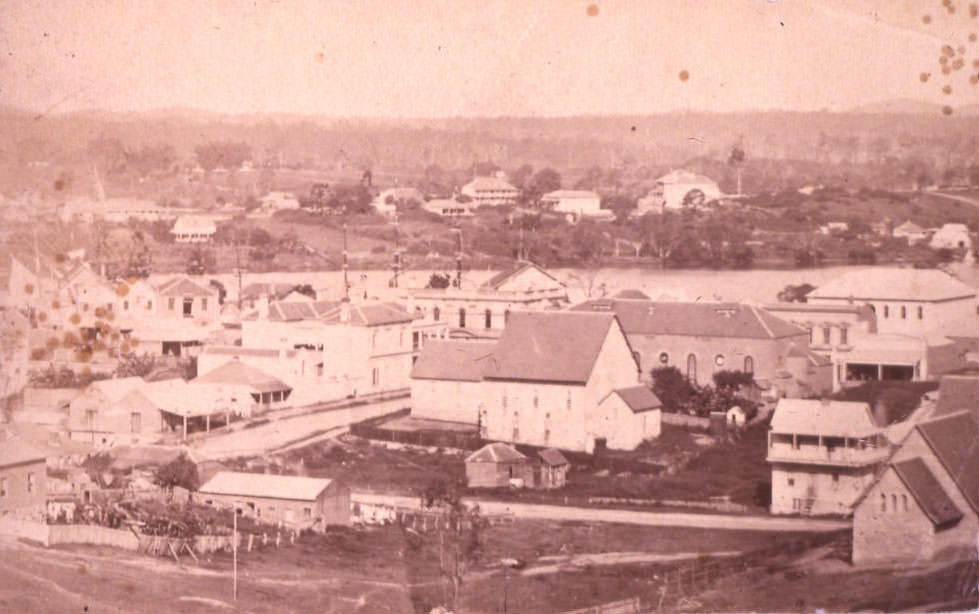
[488, 316]
[921, 313]
[436, 314]
[904, 312]
[883, 502]
[904, 502]
[893, 503]
[749, 365]
[506, 316]
[462, 317]
[664, 358]
[692, 368]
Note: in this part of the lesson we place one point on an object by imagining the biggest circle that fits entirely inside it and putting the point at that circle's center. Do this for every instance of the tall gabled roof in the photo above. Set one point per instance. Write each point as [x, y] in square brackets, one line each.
[291, 487]
[454, 360]
[955, 441]
[644, 317]
[549, 346]
[240, 374]
[184, 286]
[826, 418]
[496, 281]
[927, 491]
[496, 453]
[895, 284]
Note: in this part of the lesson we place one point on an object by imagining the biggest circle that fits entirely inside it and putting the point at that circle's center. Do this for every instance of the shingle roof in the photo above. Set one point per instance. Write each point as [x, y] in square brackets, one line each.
[827, 418]
[453, 360]
[182, 286]
[495, 453]
[238, 373]
[895, 284]
[14, 451]
[502, 277]
[957, 393]
[955, 441]
[265, 485]
[639, 398]
[552, 457]
[927, 491]
[549, 346]
[694, 319]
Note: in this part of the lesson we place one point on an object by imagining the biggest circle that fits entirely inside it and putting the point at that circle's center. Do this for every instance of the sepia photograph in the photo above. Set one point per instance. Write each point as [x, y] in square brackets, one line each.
[498, 307]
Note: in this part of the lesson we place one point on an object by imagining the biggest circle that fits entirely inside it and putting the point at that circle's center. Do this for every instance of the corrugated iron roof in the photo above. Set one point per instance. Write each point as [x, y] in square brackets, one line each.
[895, 284]
[496, 453]
[549, 346]
[454, 360]
[553, 457]
[183, 286]
[826, 418]
[268, 486]
[694, 319]
[238, 373]
[639, 398]
[927, 491]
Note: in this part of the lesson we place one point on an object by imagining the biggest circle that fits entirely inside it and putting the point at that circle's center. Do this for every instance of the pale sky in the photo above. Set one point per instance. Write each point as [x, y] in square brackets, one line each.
[404, 58]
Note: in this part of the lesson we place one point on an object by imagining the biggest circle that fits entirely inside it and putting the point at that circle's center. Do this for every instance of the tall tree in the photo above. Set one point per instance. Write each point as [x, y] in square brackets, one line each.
[460, 533]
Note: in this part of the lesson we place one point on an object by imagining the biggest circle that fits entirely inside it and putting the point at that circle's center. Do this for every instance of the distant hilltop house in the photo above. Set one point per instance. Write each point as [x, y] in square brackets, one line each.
[388, 201]
[911, 231]
[951, 236]
[193, 229]
[491, 191]
[278, 201]
[576, 204]
[677, 190]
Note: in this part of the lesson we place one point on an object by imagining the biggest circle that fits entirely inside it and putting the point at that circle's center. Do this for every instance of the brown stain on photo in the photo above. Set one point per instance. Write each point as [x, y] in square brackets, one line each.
[592, 10]
[684, 75]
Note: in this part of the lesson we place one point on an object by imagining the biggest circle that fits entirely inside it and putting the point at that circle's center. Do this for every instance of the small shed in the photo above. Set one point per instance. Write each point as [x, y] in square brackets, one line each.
[297, 502]
[736, 417]
[495, 464]
[553, 469]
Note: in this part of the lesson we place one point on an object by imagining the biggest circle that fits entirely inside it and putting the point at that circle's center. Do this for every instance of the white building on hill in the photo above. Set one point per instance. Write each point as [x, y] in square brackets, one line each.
[193, 229]
[492, 191]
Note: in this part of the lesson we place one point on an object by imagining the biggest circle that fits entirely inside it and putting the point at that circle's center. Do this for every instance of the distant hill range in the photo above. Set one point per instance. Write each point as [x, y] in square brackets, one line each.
[909, 106]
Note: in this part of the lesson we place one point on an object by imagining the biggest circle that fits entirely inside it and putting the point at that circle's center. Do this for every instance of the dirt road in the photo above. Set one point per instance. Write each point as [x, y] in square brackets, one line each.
[662, 519]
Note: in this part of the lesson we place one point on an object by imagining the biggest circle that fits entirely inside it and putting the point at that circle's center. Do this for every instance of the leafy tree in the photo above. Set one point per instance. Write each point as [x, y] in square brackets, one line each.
[439, 281]
[201, 261]
[521, 176]
[181, 471]
[733, 380]
[460, 531]
[672, 388]
[663, 233]
[223, 154]
[543, 181]
[139, 261]
[133, 365]
[795, 294]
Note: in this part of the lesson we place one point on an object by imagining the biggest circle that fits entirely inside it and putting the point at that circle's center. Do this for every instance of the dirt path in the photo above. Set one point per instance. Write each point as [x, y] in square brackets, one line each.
[663, 519]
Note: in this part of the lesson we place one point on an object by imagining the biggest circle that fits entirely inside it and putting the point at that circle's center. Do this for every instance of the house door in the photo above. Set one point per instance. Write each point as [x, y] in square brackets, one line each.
[188, 307]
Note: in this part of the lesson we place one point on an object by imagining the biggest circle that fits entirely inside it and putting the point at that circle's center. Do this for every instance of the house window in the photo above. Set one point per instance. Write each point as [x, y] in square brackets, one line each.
[375, 376]
[125, 305]
[307, 512]
[462, 317]
[3, 487]
[749, 365]
[504, 400]
[887, 311]
[149, 305]
[904, 502]
[489, 318]
[204, 304]
[30, 482]
[664, 358]
[136, 422]
[836, 477]
[171, 303]
[188, 307]
[569, 400]
[811, 338]
[826, 335]
[893, 503]
[90, 418]
[692, 368]
[536, 400]
[415, 341]
[883, 502]
[921, 312]
[436, 313]
[904, 312]
[791, 481]
[844, 335]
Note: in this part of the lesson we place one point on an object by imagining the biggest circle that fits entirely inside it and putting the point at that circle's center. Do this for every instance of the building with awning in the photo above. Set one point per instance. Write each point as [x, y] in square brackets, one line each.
[245, 387]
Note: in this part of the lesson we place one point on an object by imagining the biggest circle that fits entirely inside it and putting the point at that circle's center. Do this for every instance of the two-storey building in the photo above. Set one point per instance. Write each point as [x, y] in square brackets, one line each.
[823, 455]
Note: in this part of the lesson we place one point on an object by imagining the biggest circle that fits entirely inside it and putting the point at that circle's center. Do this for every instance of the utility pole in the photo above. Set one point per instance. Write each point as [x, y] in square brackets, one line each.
[238, 269]
[397, 251]
[234, 550]
[346, 285]
[458, 283]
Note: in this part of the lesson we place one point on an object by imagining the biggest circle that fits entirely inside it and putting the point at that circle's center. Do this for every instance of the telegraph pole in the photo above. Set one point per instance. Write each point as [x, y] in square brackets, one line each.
[234, 550]
[346, 284]
[458, 283]
[397, 251]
